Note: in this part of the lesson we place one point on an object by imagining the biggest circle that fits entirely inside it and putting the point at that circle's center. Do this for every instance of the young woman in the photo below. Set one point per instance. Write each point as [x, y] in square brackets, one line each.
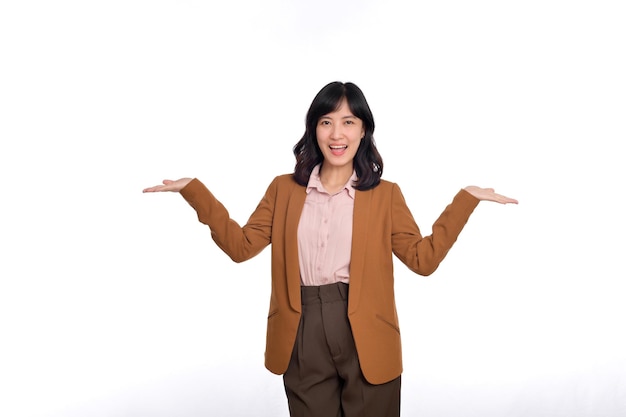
[334, 224]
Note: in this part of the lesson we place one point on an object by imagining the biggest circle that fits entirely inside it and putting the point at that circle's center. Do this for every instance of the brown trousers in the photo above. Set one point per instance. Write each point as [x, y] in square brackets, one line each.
[324, 377]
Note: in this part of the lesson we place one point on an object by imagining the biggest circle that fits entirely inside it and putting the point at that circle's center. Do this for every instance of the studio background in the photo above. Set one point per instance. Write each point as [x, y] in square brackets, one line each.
[118, 303]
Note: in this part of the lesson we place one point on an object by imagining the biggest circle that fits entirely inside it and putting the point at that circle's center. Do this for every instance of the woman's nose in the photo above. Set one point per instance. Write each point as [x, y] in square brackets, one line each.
[336, 132]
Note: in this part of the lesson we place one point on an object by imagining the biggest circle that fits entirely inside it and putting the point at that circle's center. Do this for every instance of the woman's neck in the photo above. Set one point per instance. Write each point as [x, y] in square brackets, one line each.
[334, 178]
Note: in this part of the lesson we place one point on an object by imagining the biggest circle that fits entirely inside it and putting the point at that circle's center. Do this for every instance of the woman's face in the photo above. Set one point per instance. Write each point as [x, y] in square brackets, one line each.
[339, 134]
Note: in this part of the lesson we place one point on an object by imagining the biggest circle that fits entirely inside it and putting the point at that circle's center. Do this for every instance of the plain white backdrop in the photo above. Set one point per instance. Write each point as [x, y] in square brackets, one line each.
[117, 303]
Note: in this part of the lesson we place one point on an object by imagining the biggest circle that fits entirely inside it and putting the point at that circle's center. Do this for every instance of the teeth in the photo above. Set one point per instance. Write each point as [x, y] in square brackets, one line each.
[338, 146]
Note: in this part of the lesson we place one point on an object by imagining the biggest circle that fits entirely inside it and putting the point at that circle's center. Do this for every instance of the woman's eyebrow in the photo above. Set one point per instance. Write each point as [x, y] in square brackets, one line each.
[350, 116]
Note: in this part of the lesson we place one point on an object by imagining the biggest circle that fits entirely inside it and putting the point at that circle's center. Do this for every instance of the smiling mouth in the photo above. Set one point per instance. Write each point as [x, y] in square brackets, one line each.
[338, 150]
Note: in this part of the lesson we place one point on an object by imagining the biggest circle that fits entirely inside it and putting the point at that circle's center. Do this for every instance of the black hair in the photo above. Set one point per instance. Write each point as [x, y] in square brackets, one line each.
[368, 163]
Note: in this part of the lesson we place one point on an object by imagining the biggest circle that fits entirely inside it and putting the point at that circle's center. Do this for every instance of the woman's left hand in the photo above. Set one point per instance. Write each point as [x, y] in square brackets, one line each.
[488, 194]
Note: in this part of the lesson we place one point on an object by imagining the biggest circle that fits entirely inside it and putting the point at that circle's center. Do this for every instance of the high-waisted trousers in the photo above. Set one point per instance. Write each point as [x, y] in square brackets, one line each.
[324, 377]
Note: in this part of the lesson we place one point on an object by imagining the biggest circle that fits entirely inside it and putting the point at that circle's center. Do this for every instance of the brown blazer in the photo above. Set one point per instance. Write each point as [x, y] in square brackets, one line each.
[382, 225]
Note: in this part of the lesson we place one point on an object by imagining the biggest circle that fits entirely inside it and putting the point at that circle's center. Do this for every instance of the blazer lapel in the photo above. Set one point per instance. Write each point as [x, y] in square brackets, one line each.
[362, 200]
[294, 210]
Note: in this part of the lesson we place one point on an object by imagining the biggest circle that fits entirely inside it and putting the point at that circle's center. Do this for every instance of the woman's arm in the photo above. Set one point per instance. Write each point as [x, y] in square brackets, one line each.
[240, 243]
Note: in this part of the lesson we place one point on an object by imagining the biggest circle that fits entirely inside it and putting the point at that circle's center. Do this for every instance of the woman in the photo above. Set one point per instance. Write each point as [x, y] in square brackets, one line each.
[334, 224]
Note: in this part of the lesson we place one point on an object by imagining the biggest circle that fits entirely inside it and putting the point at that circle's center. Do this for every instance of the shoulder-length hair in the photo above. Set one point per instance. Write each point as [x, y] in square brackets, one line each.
[368, 163]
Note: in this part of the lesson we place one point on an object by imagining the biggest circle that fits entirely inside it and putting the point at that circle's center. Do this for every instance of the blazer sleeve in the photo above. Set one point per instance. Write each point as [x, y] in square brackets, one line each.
[239, 243]
[424, 254]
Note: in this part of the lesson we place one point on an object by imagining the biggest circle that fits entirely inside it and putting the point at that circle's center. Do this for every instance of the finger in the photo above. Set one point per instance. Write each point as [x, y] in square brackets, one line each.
[157, 188]
[152, 189]
[505, 200]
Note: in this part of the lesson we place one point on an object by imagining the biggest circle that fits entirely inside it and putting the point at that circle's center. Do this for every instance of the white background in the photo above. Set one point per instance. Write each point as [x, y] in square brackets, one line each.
[118, 303]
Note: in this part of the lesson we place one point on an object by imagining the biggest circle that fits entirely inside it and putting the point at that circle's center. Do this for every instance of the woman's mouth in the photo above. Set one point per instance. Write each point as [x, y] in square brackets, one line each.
[338, 150]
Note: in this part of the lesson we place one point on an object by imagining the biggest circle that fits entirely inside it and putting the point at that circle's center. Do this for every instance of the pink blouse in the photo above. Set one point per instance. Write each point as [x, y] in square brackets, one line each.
[325, 233]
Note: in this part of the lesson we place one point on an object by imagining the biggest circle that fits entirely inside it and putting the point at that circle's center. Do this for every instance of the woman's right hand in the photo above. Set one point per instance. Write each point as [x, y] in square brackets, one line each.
[169, 185]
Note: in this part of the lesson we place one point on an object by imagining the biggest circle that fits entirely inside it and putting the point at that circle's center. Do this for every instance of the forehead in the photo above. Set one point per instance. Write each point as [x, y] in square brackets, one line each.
[342, 110]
